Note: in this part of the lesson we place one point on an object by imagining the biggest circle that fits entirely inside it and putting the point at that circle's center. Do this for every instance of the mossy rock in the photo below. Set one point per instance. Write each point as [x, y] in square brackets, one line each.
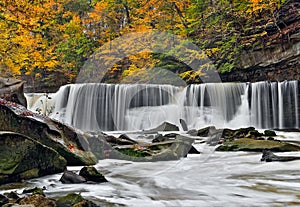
[205, 132]
[69, 200]
[34, 191]
[23, 158]
[92, 174]
[246, 144]
[240, 133]
[269, 133]
[70, 143]
[37, 200]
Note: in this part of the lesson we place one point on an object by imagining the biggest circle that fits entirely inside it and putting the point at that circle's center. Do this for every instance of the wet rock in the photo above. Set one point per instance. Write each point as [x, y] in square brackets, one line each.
[207, 131]
[69, 177]
[70, 143]
[127, 138]
[91, 174]
[159, 151]
[33, 191]
[69, 200]
[214, 139]
[183, 125]
[192, 132]
[12, 195]
[268, 156]
[122, 140]
[23, 158]
[37, 200]
[246, 144]
[249, 132]
[159, 138]
[85, 203]
[166, 126]
[3, 200]
[12, 90]
[193, 150]
[164, 138]
[269, 133]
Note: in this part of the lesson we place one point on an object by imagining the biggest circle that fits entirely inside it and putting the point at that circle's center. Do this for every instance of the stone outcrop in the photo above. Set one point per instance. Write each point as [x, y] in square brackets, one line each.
[68, 142]
[92, 174]
[12, 90]
[23, 158]
[268, 156]
[277, 56]
[254, 145]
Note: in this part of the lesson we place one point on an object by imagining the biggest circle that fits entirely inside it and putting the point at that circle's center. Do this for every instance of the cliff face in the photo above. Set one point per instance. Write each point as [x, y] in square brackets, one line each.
[277, 56]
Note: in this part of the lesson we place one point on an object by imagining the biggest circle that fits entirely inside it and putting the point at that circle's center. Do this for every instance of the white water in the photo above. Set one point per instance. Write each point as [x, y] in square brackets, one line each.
[93, 107]
[209, 179]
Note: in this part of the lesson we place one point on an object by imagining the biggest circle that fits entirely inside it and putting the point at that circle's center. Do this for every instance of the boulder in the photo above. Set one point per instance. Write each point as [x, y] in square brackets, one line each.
[23, 158]
[3, 200]
[164, 138]
[12, 90]
[69, 177]
[249, 132]
[183, 125]
[192, 132]
[92, 174]
[122, 140]
[33, 191]
[193, 150]
[207, 131]
[12, 195]
[270, 133]
[70, 143]
[166, 126]
[268, 156]
[69, 200]
[159, 151]
[246, 144]
[37, 200]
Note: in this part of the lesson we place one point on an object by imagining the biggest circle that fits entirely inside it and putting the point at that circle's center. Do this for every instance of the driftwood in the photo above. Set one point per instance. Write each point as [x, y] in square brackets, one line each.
[12, 90]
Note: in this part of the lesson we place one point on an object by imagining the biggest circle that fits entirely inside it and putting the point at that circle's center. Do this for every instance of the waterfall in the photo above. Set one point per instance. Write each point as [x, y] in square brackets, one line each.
[121, 107]
[274, 105]
[104, 106]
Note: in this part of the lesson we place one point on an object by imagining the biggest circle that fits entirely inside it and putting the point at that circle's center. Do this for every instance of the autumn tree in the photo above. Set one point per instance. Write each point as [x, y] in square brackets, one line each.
[27, 29]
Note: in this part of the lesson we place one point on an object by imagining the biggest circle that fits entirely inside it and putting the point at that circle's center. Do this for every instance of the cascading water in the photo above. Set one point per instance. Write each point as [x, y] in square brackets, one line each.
[275, 105]
[105, 106]
[109, 107]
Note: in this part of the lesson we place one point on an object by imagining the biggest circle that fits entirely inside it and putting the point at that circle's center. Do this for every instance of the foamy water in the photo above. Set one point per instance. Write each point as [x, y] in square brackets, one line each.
[209, 179]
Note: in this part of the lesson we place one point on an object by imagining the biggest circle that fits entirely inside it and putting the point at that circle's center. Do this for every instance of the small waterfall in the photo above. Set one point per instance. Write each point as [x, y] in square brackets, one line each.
[274, 105]
[121, 107]
[212, 104]
[104, 106]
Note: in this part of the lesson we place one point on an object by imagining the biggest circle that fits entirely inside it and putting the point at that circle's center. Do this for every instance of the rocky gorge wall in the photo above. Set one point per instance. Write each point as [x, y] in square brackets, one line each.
[276, 56]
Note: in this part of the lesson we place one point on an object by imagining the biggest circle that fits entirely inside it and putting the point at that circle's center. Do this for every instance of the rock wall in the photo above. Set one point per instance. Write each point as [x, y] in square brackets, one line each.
[277, 56]
[286, 69]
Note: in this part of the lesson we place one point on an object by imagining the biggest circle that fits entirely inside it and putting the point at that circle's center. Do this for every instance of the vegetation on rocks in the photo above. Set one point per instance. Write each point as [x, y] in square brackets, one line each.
[246, 144]
[20, 158]
[52, 40]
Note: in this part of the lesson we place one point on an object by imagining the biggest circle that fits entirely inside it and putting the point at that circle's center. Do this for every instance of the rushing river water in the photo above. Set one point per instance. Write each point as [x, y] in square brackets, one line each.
[209, 179]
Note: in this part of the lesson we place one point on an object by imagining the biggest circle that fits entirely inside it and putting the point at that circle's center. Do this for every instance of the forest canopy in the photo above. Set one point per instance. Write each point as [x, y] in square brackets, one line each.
[46, 40]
